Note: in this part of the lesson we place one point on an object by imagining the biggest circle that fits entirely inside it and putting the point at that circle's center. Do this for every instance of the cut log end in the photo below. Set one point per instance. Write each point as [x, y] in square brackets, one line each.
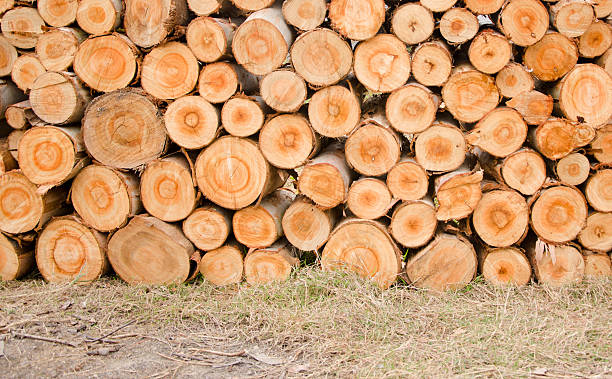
[207, 39]
[22, 26]
[595, 40]
[566, 267]
[413, 223]
[242, 117]
[479, 88]
[597, 266]
[602, 144]
[534, 106]
[218, 82]
[306, 226]
[500, 132]
[223, 266]
[287, 141]
[598, 190]
[372, 149]
[551, 57]
[458, 25]
[369, 198]
[573, 169]
[357, 22]
[524, 171]
[412, 23]
[597, 234]
[382, 63]
[57, 12]
[283, 90]
[99, 17]
[506, 266]
[25, 70]
[15, 262]
[334, 111]
[412, 108]
[273, 264]
[514, 79]
[501, 218]
[556, 137]
[56, 48]
[192, 122]
[524, 22]
[407, 180]
[489, 51]
[558, 214]
[169, 71]
[305, 14]
[58, 98]
[432, 63]
[208, 227]
[458, 193]
[440, 148]
[149, 22]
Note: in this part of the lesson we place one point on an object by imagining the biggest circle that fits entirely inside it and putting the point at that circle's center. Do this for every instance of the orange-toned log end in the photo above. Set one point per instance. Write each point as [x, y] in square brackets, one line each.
[305, 14]
[484, 6]
[208, 227]
[242, 116]
[598, 190]
[218, 82]
[447, 263]
[169, 71]
[558, 214]
[306, 226]
[524, 22]
[597, 233]
[56, 48]
[534, 106]
[21, 207]
[321, 57]
[58, 98]
[273, 264]
[382, 63]
[458, 25]
[573, 169]
[597, 265]
[363, 247]
[283, 90]
[204, 7]
[566, 267]
[326, 179]
[99, 17]
[572, 18]
[25, 70]
[357, 21]
[148, 22]
[551, 57]
[104, 198]
[501, 218]
[514, 79]
[223, 266]
[602, 144]
[150, 251]
[369, 198]
[411, 108]
[287, 141]
[407, 180]
[57, 12]
[469, 95]
[432, 63]
[413, 223]
[556, 137]
[15, 262]
[441, 147]
[438, 5]
[489, 51]
[524, 171]
[22, 26]
[505, 266]
[8, 56]
[67, 251]
[334, 111]
[206, 38]
[596, 40]
[500, 132]
[252, 5]
[412, 23]
[458, 194]
[372, 149]
[192, 122]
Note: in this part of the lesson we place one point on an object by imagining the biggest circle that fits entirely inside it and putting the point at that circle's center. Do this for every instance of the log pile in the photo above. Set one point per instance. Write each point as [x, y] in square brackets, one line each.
[432, 141]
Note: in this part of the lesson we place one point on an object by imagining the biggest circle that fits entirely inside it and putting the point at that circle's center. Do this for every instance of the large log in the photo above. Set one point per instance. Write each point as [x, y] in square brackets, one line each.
[500, 132]
[149, 22]
[270, 264]
[382, 63]
[469, 95]
[15, 261]
[306, 226]
[288, 141]
[501, 218]
[57, 47]
[413, 223]
[25, 69]
[223, 266]
[558, 214]
[504, 266]
[440, 148]
[191, 122]
[169, 71]
[22, 26]
[208, 227]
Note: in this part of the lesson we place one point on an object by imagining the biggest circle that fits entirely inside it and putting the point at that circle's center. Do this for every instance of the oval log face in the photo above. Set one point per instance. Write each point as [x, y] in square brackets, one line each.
[506, 266]
[21, 207]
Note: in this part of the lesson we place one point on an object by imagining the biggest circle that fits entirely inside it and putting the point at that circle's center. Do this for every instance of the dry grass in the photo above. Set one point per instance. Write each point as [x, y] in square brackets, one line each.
[331, 324]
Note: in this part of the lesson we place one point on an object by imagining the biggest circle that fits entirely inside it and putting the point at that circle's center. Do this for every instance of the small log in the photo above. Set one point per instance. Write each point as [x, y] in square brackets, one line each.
[148, 22]
[440, 148]
[261, 42]
[22, 26]
[167, 189]
[489, 51]
[514, 79]
[57, 12]
[412, 23]
[192, 122]
[412, 108]
[603, 8]
[205, 7]
[597, 265]
[382, 63]
[13, 140]
[232, 173]
[562, 266]
[50, 155]
[106, 63]
[99, 17]
[447, 263]
[572, 17]
[9, 95]
[219, 81]
[470, 94]
[597, 234]
[8, 56]
[601, 146]
[585, 94]
[413, 223]
[68, 251]
[524, 171]
[321, 57]
[5, 5]
[551, 57]
[598, 190]
[438, 5]
[223, 266]
[248, 6]
[259, 226]
[208, 227]
[26, 68]
[288, 141]
[369, 198]
[483, 7]
[359, 21]
[57, 47]
[534, 106]
[504, 266]
[458, 193]
[15, 261]
[558, 214]
[573, 169]
[23, 208]
[432, 63]
[524, 22]
[18, 115]
[7, 160]
[271, 264]
[605, 61]
[458, 25]
[363, 247]
[105, 198]
[209, 38]
[169, 71]
[556, 138]
[304, 14]
[242, 116]
[596, 40]
[334, 111]
[501, 218]
[500, 132]
[306, 226]
[372, 149]
[59, 98]
[123, 129]
[326, 178]
[407, 180]
[283, 90]
[150, 251]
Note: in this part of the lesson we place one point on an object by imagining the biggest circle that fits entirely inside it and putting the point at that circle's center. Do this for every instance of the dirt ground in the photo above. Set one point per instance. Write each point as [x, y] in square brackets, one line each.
[315, 325]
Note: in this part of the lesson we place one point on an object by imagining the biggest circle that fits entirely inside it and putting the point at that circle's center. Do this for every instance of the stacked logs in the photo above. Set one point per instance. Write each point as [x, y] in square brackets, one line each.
[431, 140]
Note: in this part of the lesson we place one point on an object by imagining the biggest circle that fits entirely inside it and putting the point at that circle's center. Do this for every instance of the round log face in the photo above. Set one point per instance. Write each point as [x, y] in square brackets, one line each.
[46, 155]
[500, 132]
[358, 21]
[458, 195]
[411, 109]
[207, 228]
[305, 14]
[595, 40]
[573, 169]
[599, 190]
[191, 122]
[567, 267]
[53, 98]
[254, 227]
[66, 251]
[14, 262]
[252, 5]
[469, 95]
[267, 265]
[431, 64]
[551, 57]
[556, 137]
[20, 206]
[8, 56]
[572, 19]
[259, 46]
[597, 234]
[56, 49]
[206, 39]
[372, 150]
[501, 218]
[306, 226]
[382, 63]
[458, 25]
[484, 6]
[242, 117]
[514, 79]
[586, 95]
[602, 144]
[597, 266]
[100, 196]
[558, 214]
[524, 171]
[413, 224]
[440, 148]
[408, 181]
[534, 106]
[146, 21]
[169, 71]
[412, 23]
[524, 22]
[22, 26]
[222, 266]
[97, 16]
[123, 129]
[25, 71]
[369, 198]
[283, 90]
[490, 51]
[506, 266]
[323, 184]
[57, 12]
[287, 141]
[364, 248]
[334, 111]
[204, 7]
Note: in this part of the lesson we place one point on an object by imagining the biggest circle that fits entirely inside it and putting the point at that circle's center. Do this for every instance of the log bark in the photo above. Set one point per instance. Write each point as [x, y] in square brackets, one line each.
[573, 169]
[407, 180]
[167, 189]
[470, 94]
[524, 22]
[57, 12]
[208, 227]
[556, 137]
[365, 248]
[369, 198]
[382, 63]
[272, 264]
[357, 22]
[504, 266]
[334, 111]
[562, 266]
[414, 223]
[59, 98]
[500, 132]
[534, 106]
[13, 142]
[601, 146]
[169, 71]
[597, 234]
[15, 261]
[150, 251]
[440, 148]
[412, 23]
[148, 22]
[432, 63]
[514, 79]
[572, 17]
[105, 198]
[192, 122]
[123, 129]
[242, 116]
[57, 47]
[68, 251]
[219, 81]
[597, 265]
[25, 69]
[7, 160]
[558, 214]
[458, 25]
[20, 115]
[501, 218]
[98, 17]
[457, 193]
[306, 226]
[209, 38]
[287, 141]
[411, 108]
[283, 91]
[223, 266]
[605, 61]
[447, 263]
[8, 56]
[489, 51]
[598, 190]
[22, 26]
[304, 14]
[551, 57]
[372, 149]
[596, 40]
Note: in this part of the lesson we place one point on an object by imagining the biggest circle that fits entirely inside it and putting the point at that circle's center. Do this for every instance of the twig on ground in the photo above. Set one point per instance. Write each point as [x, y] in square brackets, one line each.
[182, 361]
[90, 340]
[222, 353]
[43, 338]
